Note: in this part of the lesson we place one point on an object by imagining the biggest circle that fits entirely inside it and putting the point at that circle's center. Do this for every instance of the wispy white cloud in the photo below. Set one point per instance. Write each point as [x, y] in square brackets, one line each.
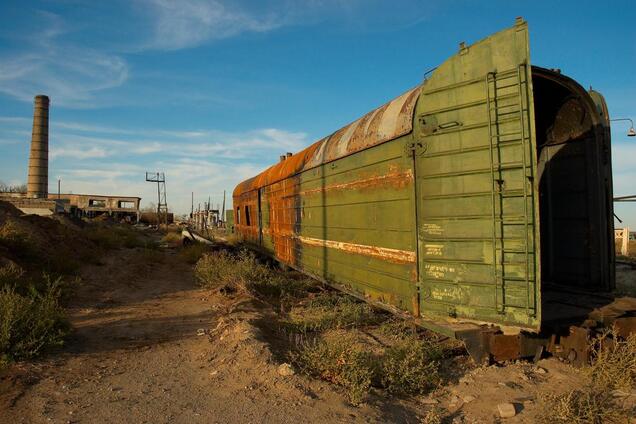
[177, 24]
[70, 73]
[187, 23]
[78, 152]
[269, 142]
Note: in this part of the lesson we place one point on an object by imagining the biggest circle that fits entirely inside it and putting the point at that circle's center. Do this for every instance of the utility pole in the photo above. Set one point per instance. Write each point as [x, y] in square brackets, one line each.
[162, 202]
[59, 184]
[223, 210]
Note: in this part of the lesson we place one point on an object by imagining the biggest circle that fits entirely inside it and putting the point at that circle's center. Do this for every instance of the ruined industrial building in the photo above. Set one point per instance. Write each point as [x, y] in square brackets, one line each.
[37, 200]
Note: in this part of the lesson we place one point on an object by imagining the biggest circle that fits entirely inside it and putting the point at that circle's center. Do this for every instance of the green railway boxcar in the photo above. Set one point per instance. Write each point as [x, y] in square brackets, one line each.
[481, 195]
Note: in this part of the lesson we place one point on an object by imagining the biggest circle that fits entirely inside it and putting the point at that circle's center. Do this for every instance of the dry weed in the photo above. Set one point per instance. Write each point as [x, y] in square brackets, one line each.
[613, 361]
[588, 406]
[172, 237]
[434, 416]
[30, 322]
[193, 252]
[242, 272]
[613, 367]
[411, 366]
[332, 311]
[340, 359]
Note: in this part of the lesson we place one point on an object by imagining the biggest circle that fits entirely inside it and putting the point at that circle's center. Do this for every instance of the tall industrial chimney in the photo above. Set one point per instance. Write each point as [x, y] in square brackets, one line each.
[38, 178]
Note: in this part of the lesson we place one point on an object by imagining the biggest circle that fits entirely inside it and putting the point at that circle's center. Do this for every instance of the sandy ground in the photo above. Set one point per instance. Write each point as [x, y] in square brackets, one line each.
[137, 355]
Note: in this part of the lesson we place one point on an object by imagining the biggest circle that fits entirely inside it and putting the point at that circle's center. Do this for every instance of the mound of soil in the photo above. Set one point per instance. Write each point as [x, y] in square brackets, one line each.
[42, 244]
[7, 209]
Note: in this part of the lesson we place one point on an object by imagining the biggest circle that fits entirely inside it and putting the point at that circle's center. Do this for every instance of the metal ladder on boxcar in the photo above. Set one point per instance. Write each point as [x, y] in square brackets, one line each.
[499, 114]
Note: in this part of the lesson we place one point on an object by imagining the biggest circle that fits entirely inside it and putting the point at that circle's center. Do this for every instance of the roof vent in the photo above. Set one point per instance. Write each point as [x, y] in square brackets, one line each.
[282, 157]
[289, 154]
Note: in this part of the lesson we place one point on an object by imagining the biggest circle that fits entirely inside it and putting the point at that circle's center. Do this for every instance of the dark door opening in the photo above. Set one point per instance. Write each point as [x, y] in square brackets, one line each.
[575, 253]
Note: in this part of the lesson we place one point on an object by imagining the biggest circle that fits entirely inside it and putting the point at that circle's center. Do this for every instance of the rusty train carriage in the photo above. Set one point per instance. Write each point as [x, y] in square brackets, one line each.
[475, 196]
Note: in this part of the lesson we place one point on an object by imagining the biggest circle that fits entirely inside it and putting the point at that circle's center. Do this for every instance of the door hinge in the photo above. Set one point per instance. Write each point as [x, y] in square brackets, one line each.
[418, 148]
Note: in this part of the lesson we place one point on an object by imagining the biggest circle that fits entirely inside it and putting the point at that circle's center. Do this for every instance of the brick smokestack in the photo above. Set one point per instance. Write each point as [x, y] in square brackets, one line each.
[38, 178]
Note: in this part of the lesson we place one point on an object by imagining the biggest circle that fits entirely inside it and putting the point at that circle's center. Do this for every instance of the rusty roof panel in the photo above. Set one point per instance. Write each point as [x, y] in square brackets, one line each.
[385, 123]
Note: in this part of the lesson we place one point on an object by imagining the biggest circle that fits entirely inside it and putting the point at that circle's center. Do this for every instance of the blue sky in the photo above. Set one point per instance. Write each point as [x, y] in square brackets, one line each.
[212, 92]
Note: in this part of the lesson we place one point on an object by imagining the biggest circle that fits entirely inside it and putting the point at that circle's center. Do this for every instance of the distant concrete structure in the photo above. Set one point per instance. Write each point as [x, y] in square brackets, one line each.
[42, 207]
[38, 174]
[93, 205]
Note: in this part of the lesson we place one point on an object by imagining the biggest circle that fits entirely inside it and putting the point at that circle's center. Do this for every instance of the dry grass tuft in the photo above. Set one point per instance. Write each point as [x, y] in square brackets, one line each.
[241, 271]
[193, 252]
[30, 322]
[172, 237]
[10, 273]
[340, 359]
[219, 269]
[613, 361]
[332, 311]
[434, 416]
[581, 406]
[411, 366]
[17, 240]
[613, 368]
[396, 328]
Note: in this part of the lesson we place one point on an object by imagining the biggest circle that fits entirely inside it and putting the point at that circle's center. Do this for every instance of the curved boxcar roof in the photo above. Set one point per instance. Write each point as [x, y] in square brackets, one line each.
[385, 123]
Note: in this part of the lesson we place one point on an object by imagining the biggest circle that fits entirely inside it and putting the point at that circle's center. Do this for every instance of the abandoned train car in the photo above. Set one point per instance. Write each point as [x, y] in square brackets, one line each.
[480, 195]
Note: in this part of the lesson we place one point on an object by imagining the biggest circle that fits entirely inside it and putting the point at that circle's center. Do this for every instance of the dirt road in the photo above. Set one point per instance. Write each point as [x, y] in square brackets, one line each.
[149, 346]
[135, 357]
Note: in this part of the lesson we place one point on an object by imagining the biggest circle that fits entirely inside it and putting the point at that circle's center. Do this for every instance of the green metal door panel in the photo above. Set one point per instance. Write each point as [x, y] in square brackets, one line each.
[475, 190]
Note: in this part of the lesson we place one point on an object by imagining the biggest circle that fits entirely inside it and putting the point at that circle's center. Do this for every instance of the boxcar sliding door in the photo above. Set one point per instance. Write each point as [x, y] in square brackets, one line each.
[476, 204]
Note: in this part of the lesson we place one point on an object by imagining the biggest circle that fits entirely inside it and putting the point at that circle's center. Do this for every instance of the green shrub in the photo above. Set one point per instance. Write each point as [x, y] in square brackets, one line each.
[279, 287]
[30, 323]
[193, 252]
[397, 329]
[339, 358]
[218, 269]
[411, 366]
[332, 311]
[242, 271]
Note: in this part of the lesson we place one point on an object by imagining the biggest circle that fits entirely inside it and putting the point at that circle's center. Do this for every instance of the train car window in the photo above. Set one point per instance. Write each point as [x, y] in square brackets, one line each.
[247, 216]
[238, 215]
